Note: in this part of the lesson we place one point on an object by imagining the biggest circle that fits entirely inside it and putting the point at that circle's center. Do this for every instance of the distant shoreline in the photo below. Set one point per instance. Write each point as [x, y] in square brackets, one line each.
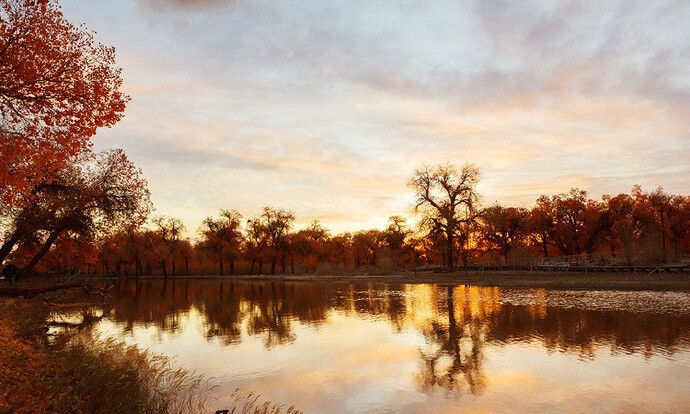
[676, 281]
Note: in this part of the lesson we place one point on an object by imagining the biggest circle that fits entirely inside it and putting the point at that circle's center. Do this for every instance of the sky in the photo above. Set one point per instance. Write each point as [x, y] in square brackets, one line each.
[326, 108]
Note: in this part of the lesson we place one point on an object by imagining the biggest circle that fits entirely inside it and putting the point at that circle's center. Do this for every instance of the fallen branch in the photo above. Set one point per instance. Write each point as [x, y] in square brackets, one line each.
[31, 292]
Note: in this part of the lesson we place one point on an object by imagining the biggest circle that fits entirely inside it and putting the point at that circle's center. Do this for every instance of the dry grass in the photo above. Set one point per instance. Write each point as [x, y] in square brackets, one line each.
[106, 376]
[88, 375]
[252, 404]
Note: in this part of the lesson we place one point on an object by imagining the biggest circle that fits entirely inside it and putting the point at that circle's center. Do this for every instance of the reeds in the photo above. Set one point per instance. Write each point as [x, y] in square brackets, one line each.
[252, 404]
[106, 376]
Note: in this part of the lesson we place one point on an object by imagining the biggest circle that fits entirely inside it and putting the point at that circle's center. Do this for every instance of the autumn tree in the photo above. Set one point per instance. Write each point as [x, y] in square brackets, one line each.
[277, 223]
[366, 247]
[222, 238]
[660, 203]
[309, 246]
[170, 230]
[619, 231]
[395, 236]
[72, 253]
[185, 250]
[540, 224]
[569, 218]
[57, 87]
[256, 243]
[91, 197]
[503, 228]
[447, 199]
[679, 222]
[339, 249]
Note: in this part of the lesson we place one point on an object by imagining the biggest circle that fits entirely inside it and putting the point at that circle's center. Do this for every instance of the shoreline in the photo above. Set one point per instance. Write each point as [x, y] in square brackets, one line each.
[676, 281]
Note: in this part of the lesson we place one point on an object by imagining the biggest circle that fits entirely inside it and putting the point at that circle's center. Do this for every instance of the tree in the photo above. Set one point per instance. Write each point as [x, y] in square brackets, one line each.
[222, 238]
[94, 196]
[447, 200]
[660, 202]
[503, 228]
[595, 225]
[679, 221]
[569, 220]
[366, 245]
[57, 87]
[619, 229]
[256, 243]
[339, 251]
[170, 230]
[278, 224]
[309, 246]
[395, 235]
[540, 224]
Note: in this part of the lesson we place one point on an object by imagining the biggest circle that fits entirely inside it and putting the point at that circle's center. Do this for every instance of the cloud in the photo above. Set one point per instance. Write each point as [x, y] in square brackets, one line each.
[161, 5]
[327, 107]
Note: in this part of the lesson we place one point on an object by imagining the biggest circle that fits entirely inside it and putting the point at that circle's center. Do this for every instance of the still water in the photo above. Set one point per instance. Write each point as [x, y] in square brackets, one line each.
[375, 348]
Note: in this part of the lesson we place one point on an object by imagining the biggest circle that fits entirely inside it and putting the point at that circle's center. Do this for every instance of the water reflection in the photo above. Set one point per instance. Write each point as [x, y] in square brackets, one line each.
[445, 315]
[465, 339]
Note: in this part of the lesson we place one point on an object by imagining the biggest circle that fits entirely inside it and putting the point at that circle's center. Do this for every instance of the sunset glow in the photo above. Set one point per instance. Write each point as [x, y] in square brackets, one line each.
[327, 108]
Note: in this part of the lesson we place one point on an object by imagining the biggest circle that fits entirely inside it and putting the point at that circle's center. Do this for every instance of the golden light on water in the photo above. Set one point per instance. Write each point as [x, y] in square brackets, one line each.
[363, 348]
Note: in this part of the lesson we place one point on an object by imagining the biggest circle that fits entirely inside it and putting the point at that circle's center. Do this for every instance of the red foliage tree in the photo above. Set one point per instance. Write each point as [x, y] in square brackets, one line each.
[57, 87]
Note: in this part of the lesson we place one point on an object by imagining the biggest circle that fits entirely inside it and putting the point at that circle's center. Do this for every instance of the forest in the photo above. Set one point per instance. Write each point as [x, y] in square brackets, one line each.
[91, 218]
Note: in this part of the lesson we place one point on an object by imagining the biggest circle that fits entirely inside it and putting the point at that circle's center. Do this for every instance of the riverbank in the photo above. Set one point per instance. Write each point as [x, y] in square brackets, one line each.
[675, 281]
[672, 281]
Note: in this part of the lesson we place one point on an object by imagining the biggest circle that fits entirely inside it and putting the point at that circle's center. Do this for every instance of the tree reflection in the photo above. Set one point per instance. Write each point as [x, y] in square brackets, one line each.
[447, 343]
[456, 322]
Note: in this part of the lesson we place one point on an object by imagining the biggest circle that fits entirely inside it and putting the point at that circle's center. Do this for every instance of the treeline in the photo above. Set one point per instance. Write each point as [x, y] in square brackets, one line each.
[89, 220]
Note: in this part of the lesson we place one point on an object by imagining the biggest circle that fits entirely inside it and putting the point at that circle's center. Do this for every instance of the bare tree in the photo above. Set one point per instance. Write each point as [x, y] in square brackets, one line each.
[447, 200]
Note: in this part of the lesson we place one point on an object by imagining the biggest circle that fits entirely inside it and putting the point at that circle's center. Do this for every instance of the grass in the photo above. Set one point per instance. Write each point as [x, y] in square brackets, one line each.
[105, 376]
[252, 404]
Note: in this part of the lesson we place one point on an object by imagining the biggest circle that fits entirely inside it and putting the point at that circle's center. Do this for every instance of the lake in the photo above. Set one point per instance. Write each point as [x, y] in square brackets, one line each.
[376, 348]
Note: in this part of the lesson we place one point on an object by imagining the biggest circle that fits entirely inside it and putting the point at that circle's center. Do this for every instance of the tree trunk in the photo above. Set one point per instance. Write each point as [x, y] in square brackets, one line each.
[545, 247]
[449, 249]
[44, 249]
[220, 267]
[251, 268]
[174, 271]
[273, 265]
[186, 265]
[6, 248]
[261, 267]
[663, 235]
[232, 266]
